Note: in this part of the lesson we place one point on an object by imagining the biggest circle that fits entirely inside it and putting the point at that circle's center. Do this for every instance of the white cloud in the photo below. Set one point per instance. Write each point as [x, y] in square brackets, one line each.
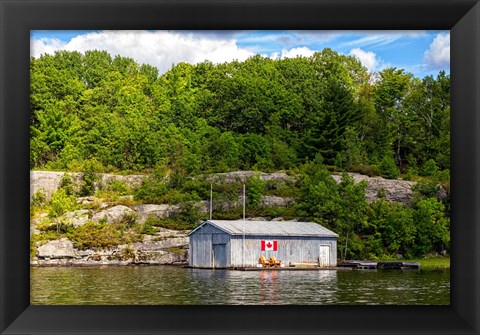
[275, 55]
[438, 54]
[161, 49]
[42, 46]
[289, 38]
[296, 52]
[375, 39]
[367, 58]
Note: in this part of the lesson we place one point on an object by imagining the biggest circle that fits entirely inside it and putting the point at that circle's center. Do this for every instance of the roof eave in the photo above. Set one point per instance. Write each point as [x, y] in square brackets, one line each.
[280, 235]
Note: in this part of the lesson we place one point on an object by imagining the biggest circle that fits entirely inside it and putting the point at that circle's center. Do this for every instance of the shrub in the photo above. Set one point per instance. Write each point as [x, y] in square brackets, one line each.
[153, 188]
[281, 188]
[429, 168]
[96, 236]
[170, 223]
[127, 221]
[389, 168]
[368, 170]
[148, 227]
[425, 189]
[118, 187]
[39, 199]
[127, 253]
[67, 184]
[60, 203]
[176, 250]
[255, 188]
[189, 213]
[442, 176]
[90, 177]
[410, 174]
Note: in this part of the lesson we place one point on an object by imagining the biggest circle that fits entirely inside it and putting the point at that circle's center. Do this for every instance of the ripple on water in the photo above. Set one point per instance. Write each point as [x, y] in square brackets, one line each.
[161, 285]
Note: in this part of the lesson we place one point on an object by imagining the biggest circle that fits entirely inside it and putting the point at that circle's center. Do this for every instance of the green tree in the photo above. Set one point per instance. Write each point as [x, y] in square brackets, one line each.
[255, 188]
[341, 207]
[433, 227]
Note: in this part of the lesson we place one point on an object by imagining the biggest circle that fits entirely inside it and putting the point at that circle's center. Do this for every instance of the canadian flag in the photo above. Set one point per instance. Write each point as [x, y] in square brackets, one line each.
[269, 245]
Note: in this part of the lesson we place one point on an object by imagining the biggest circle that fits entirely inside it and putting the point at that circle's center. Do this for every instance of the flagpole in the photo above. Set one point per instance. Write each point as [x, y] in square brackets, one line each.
[243, 246]
[211, 198]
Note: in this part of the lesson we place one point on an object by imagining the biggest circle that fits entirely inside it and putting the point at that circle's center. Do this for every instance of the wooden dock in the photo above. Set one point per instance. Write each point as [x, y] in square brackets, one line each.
[389, 265]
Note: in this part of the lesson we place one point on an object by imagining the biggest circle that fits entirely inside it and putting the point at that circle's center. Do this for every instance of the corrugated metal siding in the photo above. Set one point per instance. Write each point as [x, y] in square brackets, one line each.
[289, 250]
[271, 228]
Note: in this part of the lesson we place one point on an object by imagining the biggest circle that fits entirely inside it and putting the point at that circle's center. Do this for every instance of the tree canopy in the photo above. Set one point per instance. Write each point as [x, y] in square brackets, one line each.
[260, 113]
[310, 115]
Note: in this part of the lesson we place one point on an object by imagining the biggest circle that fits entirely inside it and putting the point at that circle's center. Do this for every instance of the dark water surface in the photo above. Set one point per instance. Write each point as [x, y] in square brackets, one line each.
[168, 285]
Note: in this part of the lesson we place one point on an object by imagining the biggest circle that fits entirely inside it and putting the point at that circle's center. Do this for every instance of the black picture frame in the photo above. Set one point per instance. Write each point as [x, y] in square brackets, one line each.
[18, 17]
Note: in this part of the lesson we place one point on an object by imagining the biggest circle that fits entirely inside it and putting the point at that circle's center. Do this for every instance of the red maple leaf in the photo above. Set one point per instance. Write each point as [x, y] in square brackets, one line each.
[269, 245]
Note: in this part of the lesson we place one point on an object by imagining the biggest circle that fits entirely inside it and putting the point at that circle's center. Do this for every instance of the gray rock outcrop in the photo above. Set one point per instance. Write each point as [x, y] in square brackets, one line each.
[113, 214]
[243, 176]
[276, 201]
[393, 190]
[76, 218]
[166, 247]
[49, 182]
[62, 248]
[154, 211]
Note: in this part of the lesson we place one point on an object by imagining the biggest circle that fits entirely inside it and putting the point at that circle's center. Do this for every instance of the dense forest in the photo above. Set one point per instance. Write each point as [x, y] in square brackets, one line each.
[308, 116]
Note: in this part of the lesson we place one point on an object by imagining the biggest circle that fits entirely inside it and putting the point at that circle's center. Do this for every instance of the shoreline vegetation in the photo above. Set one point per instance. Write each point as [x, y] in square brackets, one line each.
[315, 138]
[116, 226]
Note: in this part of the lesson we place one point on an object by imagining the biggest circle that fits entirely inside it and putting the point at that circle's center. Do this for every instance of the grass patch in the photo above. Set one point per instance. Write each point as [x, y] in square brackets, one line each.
[168, 223]
[433, 262]
[175, 250]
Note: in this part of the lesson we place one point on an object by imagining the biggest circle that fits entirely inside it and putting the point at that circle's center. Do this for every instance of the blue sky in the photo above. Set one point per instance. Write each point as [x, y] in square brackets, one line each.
[419, 52]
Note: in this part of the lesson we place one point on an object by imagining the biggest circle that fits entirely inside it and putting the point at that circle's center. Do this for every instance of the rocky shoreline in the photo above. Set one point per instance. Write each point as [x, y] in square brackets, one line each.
[161, 246]
[153, 250]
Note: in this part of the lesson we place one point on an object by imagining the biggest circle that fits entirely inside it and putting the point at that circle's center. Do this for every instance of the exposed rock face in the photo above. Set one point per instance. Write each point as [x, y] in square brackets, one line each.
[154, 211]
[46, 181]
[244, 175]
[76, 218]
[177, 242]
[165, 247]
[62, 248]
[112, 214]
[130, 180]
[276, 201]
[393, 190]
[49, 181]
[87, 200]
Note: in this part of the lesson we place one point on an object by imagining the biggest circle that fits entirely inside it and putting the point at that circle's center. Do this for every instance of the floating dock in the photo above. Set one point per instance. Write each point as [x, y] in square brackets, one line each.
[391, 265]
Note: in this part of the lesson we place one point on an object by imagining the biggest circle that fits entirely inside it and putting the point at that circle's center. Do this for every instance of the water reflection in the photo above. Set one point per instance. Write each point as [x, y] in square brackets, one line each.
[164, 285]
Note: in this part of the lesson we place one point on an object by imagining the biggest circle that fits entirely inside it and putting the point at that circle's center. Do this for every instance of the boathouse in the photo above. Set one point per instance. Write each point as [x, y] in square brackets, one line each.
[235, 244]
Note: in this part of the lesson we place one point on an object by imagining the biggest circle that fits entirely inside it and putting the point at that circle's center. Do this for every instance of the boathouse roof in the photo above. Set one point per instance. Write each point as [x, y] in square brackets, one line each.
[269, 228]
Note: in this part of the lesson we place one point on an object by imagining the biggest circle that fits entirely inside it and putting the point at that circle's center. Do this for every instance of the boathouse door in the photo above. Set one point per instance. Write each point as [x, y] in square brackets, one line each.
[324, 259]
[219, 256]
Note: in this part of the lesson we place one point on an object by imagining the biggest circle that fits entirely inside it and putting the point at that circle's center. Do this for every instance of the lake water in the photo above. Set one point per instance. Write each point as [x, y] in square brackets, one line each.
[170, 285]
